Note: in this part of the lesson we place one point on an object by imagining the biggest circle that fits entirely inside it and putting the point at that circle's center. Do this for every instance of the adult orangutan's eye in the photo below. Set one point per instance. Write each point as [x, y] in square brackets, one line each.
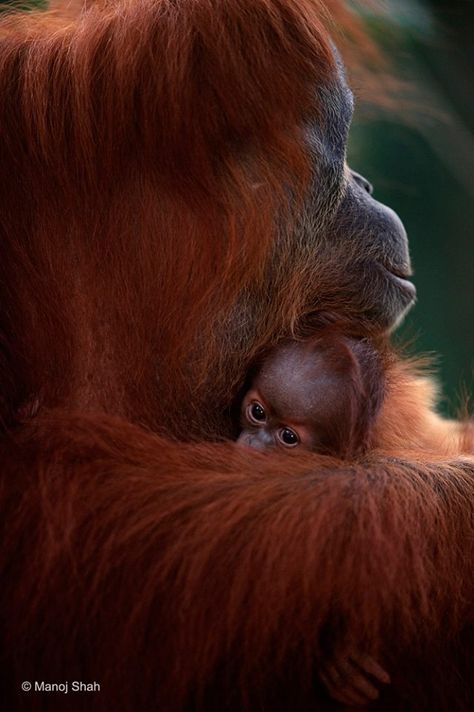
[288, 437]
[256, 412]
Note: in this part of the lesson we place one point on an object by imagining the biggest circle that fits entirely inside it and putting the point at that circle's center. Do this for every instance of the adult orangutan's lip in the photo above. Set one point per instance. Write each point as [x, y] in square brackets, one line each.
[403, 272]
[399, 276]
[399, 268]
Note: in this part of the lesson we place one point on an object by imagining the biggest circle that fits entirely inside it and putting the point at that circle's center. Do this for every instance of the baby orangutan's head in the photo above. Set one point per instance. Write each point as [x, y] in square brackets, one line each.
[321, 395]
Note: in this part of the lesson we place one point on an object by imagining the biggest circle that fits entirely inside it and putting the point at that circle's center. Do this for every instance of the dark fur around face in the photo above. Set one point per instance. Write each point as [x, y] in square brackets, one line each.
[175, 201]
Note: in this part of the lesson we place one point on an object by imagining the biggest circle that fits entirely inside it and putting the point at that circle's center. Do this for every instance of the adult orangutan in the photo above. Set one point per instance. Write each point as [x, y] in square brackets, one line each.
[174, 200]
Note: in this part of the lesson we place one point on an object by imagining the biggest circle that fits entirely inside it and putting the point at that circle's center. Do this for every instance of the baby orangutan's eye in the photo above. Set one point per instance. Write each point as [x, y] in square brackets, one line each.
[288, 437]
[256, 412]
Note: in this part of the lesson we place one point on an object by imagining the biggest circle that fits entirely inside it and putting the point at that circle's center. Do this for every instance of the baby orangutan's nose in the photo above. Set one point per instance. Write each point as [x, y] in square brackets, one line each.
[254, 440]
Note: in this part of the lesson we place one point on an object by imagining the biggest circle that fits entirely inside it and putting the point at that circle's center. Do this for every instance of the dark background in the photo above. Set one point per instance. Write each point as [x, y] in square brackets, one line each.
[421, 162]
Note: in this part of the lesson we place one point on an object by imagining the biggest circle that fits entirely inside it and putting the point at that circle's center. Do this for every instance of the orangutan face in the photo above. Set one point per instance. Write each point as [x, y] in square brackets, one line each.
[360, 259]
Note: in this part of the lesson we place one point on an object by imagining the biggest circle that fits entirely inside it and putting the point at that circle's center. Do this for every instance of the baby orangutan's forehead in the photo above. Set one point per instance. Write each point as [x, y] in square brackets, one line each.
[301, 386]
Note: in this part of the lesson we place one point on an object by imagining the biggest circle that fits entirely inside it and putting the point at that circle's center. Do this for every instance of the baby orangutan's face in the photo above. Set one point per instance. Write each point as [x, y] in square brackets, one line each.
[263, 427]
[298, 400]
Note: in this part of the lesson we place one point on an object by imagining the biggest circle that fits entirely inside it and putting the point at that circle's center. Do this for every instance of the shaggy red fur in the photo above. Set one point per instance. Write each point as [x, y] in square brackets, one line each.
[192, 574]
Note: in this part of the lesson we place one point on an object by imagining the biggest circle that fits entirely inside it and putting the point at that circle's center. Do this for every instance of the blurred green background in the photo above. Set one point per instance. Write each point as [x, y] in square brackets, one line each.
[421, 162]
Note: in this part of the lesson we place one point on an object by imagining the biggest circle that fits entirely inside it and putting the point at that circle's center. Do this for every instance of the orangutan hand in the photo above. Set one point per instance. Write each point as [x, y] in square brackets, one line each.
[353, 679]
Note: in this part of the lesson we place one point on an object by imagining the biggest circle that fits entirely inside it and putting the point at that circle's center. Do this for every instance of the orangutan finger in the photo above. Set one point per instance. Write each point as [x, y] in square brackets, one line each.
[340, 688]
[356, 680]
[371, 666]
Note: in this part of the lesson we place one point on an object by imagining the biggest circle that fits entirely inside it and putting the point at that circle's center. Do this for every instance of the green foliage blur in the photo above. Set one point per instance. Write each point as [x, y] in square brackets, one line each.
[23, 5]
[421, 162]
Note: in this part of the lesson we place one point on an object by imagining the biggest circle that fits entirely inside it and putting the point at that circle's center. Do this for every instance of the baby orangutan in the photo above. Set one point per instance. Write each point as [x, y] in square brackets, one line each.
[321, 395]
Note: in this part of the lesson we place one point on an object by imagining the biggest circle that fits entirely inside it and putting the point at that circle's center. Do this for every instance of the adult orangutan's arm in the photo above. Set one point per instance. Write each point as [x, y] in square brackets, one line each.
[162, 569]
